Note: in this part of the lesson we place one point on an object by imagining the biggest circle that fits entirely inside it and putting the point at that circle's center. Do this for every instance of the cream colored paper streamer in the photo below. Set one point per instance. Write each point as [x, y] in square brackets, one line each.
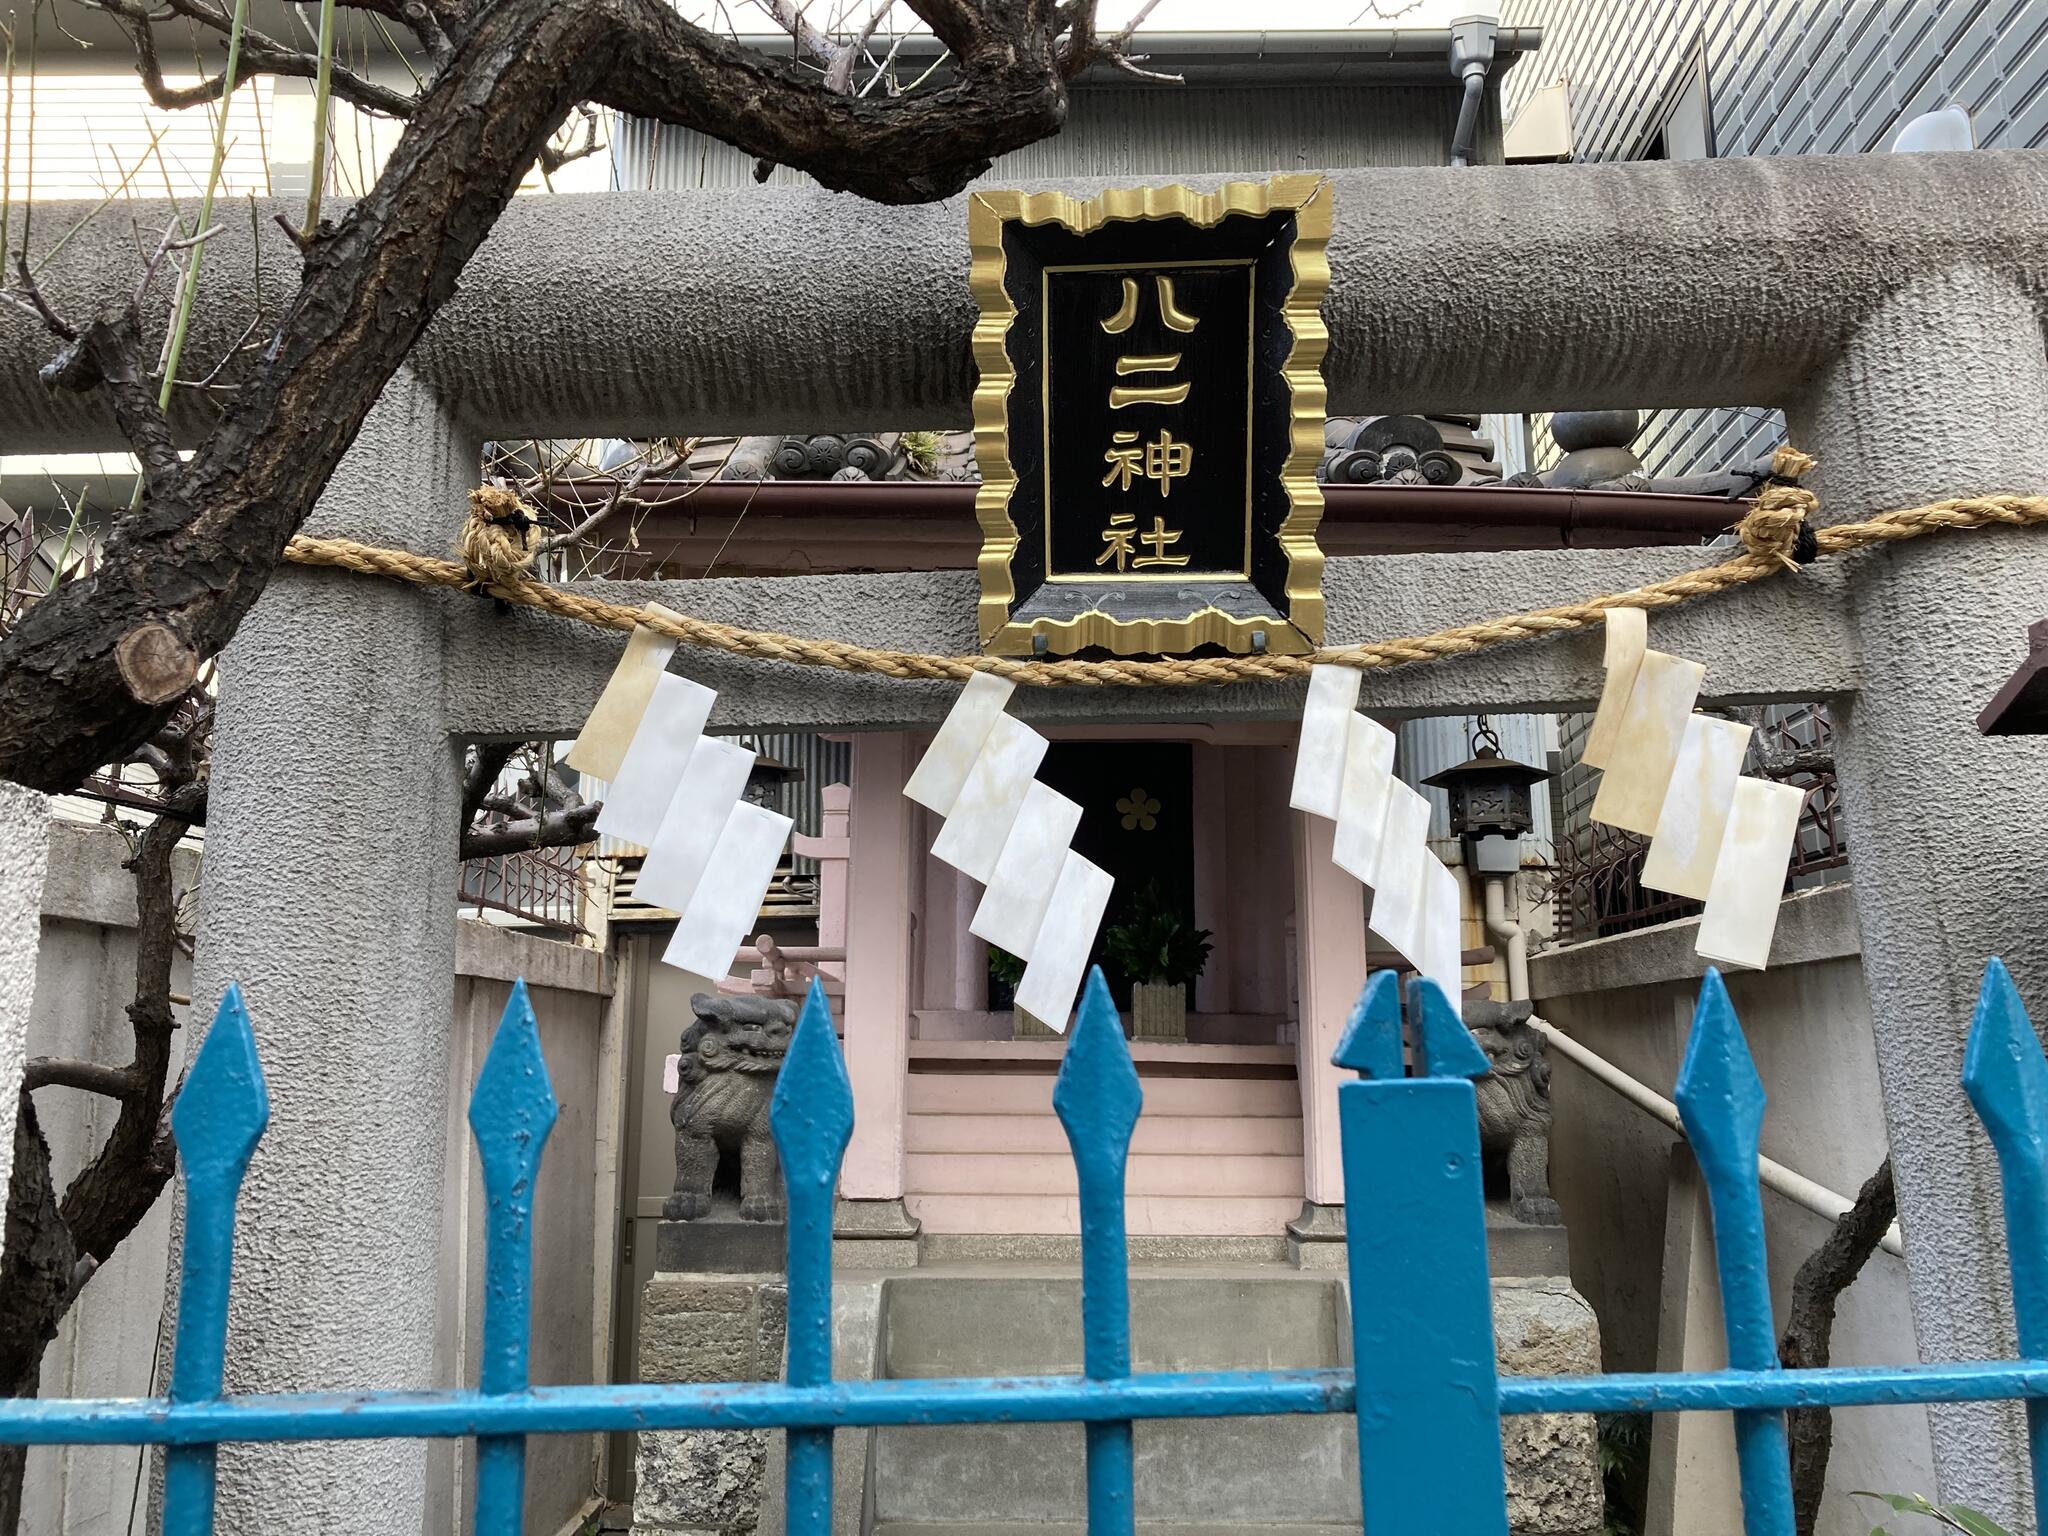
[1749, 877]
[1400, 894]
[1646, 743]
[1060, 953]
[942, 772]
[601, 745]
[1628, 633]
[1325, 739]
[728, 899]
[1442, 939]
[993, 793]
[1362, 805]
[1013, 907]
[1687, 844]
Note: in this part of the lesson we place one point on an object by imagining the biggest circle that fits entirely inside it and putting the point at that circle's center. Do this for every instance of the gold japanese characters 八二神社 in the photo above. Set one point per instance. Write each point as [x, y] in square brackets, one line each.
[1149, 418]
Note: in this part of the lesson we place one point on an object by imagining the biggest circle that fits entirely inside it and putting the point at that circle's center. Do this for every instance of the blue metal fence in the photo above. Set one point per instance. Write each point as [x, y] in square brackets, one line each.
[1423, 1385]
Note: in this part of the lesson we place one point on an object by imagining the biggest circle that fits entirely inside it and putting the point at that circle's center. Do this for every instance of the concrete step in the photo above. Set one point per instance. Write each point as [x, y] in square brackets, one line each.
[1144, 1215]
[1231, 1472]
[1080, 1528]
[966, 1324]
[978, 1093]
[1043, 1173]
[1163, 1135]
[1265, 1474]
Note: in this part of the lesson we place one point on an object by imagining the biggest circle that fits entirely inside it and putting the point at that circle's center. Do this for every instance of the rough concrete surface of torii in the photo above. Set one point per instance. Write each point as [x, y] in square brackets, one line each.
[1694, 283]
[523, 674]
[1891, 304]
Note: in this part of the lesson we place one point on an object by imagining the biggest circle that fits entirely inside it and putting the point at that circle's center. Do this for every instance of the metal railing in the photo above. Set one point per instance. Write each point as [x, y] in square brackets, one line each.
[1424, 1386]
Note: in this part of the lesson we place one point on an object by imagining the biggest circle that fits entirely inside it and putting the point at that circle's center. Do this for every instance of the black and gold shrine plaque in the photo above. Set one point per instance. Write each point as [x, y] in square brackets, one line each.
[1150, 417]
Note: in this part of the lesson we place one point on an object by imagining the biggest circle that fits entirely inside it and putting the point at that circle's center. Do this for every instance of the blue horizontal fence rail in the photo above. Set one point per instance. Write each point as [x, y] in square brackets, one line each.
[1429, 1406]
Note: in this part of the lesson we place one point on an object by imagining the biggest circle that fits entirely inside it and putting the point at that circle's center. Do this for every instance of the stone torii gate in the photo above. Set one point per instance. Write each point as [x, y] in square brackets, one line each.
[1892, 306]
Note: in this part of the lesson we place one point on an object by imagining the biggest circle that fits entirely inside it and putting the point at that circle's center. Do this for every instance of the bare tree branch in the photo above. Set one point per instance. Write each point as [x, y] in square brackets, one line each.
[108, 353]
[558, 829]
[486, 763]
[260, 55]
[91, 1076]
[377, 277]
[622, 494]
[1807, 1342]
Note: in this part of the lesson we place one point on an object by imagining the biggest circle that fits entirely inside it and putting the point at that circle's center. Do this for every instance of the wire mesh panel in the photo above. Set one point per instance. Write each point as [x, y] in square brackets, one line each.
[1423, 1389]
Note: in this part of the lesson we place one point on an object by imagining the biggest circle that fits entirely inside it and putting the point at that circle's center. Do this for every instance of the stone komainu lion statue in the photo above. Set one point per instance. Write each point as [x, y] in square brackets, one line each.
[725, 1079]
[1514, 1117]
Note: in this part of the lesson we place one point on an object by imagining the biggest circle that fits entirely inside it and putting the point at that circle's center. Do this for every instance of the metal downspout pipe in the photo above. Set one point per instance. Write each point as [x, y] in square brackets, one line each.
[1510, 934]
[1472, 40]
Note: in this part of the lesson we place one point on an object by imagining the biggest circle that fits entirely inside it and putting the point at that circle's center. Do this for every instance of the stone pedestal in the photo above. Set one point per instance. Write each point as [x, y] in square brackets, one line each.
[706, 1328]
[874, 1234]
[720, 1244]
[1514, 1249]
[1542, 1327]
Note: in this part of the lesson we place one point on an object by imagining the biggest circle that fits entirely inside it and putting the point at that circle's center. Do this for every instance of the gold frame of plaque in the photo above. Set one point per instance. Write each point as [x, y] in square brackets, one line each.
[1039, 596]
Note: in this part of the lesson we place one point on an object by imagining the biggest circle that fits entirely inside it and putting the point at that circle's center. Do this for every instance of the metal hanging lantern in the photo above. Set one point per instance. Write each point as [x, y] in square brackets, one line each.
[1491, 805]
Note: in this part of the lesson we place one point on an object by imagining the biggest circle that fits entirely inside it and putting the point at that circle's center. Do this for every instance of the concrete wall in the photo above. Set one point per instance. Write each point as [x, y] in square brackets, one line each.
[85, 975]
[1622, 1179]
[85, 970]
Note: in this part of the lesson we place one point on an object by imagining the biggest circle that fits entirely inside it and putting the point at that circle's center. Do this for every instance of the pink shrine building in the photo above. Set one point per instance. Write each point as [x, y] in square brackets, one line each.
[955, 1147]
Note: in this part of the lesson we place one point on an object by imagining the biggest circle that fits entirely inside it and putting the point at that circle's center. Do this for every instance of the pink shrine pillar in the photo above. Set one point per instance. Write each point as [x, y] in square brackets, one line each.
[877, 1030]
[1329, 936]
[832, 852]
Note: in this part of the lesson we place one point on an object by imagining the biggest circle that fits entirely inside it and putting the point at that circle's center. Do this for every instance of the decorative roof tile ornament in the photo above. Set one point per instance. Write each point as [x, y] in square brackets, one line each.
[1149, 417]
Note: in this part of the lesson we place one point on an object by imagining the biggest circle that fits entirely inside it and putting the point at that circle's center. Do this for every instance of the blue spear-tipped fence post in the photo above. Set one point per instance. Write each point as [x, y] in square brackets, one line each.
[1721, 1101]
[2006, 1078]
[511, 1111]
[1097, 1098]
[1371, 1042]
[1428, 1397]
[812, 1118]
[218, 1119]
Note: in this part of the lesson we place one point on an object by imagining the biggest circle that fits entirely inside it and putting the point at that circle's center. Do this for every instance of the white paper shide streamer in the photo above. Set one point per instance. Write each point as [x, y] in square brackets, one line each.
[1344, 772]
[1675, 776]
[678, 793]
[1042, 901]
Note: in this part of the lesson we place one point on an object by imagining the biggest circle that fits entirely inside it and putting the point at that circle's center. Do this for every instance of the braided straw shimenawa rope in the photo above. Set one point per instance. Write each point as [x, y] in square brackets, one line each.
[1775, 535]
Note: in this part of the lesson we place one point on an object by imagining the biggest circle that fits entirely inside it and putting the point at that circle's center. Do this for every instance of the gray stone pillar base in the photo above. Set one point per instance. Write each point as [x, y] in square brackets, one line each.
[1517, 1249]
[720, 1244]
[1315, 1238]
[706, 1328]
[874, 1234]
[1514, 1249]
[1545, 1328]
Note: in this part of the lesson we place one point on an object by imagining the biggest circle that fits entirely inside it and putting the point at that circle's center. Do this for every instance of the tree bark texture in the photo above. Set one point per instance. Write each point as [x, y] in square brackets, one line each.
[1809, 1330]
[195, 554]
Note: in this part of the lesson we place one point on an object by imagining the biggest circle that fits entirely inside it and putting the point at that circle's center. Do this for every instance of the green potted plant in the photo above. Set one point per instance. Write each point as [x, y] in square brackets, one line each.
[1160, 951]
